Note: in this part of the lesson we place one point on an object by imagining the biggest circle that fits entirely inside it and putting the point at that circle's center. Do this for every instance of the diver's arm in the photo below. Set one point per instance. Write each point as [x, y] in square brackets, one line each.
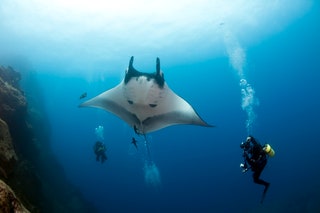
[246, 158]
[244, 165]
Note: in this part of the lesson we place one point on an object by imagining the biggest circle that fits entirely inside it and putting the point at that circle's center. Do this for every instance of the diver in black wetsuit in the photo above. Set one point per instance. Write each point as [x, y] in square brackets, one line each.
[255, 155]
[100, 150]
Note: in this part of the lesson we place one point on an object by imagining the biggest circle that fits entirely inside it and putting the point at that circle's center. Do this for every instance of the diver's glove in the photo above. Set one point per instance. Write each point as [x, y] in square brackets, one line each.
[244, 168]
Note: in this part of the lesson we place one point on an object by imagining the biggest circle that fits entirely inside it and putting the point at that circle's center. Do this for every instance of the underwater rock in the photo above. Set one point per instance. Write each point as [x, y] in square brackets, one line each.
[12, 100]
[10, 75]
[8, 200]
[8, 157]
[27, 163]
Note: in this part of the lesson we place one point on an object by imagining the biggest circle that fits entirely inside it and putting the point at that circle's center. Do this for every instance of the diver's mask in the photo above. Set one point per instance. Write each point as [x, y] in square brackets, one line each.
[245, 145]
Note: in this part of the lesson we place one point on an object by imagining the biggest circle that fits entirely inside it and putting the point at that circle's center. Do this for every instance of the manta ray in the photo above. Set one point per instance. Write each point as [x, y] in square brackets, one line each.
[146, 102]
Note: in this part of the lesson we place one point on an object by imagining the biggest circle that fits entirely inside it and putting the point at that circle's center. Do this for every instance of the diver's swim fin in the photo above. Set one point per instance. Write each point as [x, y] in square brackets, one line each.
[264, 192]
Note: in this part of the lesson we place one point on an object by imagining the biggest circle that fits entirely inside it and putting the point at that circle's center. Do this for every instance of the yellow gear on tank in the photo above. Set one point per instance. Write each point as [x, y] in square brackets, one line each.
[268, 149]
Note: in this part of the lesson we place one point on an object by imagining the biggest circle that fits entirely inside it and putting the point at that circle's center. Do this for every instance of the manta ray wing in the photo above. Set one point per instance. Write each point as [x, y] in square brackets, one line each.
[171, 110]
[145, 102]
[113, 101]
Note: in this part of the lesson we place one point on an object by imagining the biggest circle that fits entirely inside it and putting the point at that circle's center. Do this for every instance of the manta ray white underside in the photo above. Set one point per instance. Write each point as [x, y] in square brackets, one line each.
[145, 102]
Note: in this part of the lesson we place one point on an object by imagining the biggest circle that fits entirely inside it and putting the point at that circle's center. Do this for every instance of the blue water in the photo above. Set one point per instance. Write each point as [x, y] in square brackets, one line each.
[199, 167]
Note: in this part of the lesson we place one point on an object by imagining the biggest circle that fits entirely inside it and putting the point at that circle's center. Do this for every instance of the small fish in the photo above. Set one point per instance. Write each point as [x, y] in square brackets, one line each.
[83, 95]
[134, 142]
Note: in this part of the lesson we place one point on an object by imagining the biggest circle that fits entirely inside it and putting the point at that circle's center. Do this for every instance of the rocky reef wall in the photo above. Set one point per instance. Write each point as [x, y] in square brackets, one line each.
[31, 179]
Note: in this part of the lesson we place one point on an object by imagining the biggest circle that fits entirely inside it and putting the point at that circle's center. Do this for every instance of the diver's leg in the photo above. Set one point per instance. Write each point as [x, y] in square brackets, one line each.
[265, 191]
[103, 158]
[257, 180]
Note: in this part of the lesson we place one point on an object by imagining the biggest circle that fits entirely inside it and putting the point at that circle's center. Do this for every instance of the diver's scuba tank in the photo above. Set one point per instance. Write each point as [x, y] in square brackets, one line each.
[268, 149]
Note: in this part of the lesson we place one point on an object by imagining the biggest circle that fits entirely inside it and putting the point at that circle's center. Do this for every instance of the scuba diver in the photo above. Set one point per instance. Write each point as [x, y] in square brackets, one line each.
[100, 150]
[134, 142]
[255, 155]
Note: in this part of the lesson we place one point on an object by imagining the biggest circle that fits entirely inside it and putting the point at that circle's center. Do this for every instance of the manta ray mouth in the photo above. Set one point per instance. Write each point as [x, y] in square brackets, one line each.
[157, 76]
